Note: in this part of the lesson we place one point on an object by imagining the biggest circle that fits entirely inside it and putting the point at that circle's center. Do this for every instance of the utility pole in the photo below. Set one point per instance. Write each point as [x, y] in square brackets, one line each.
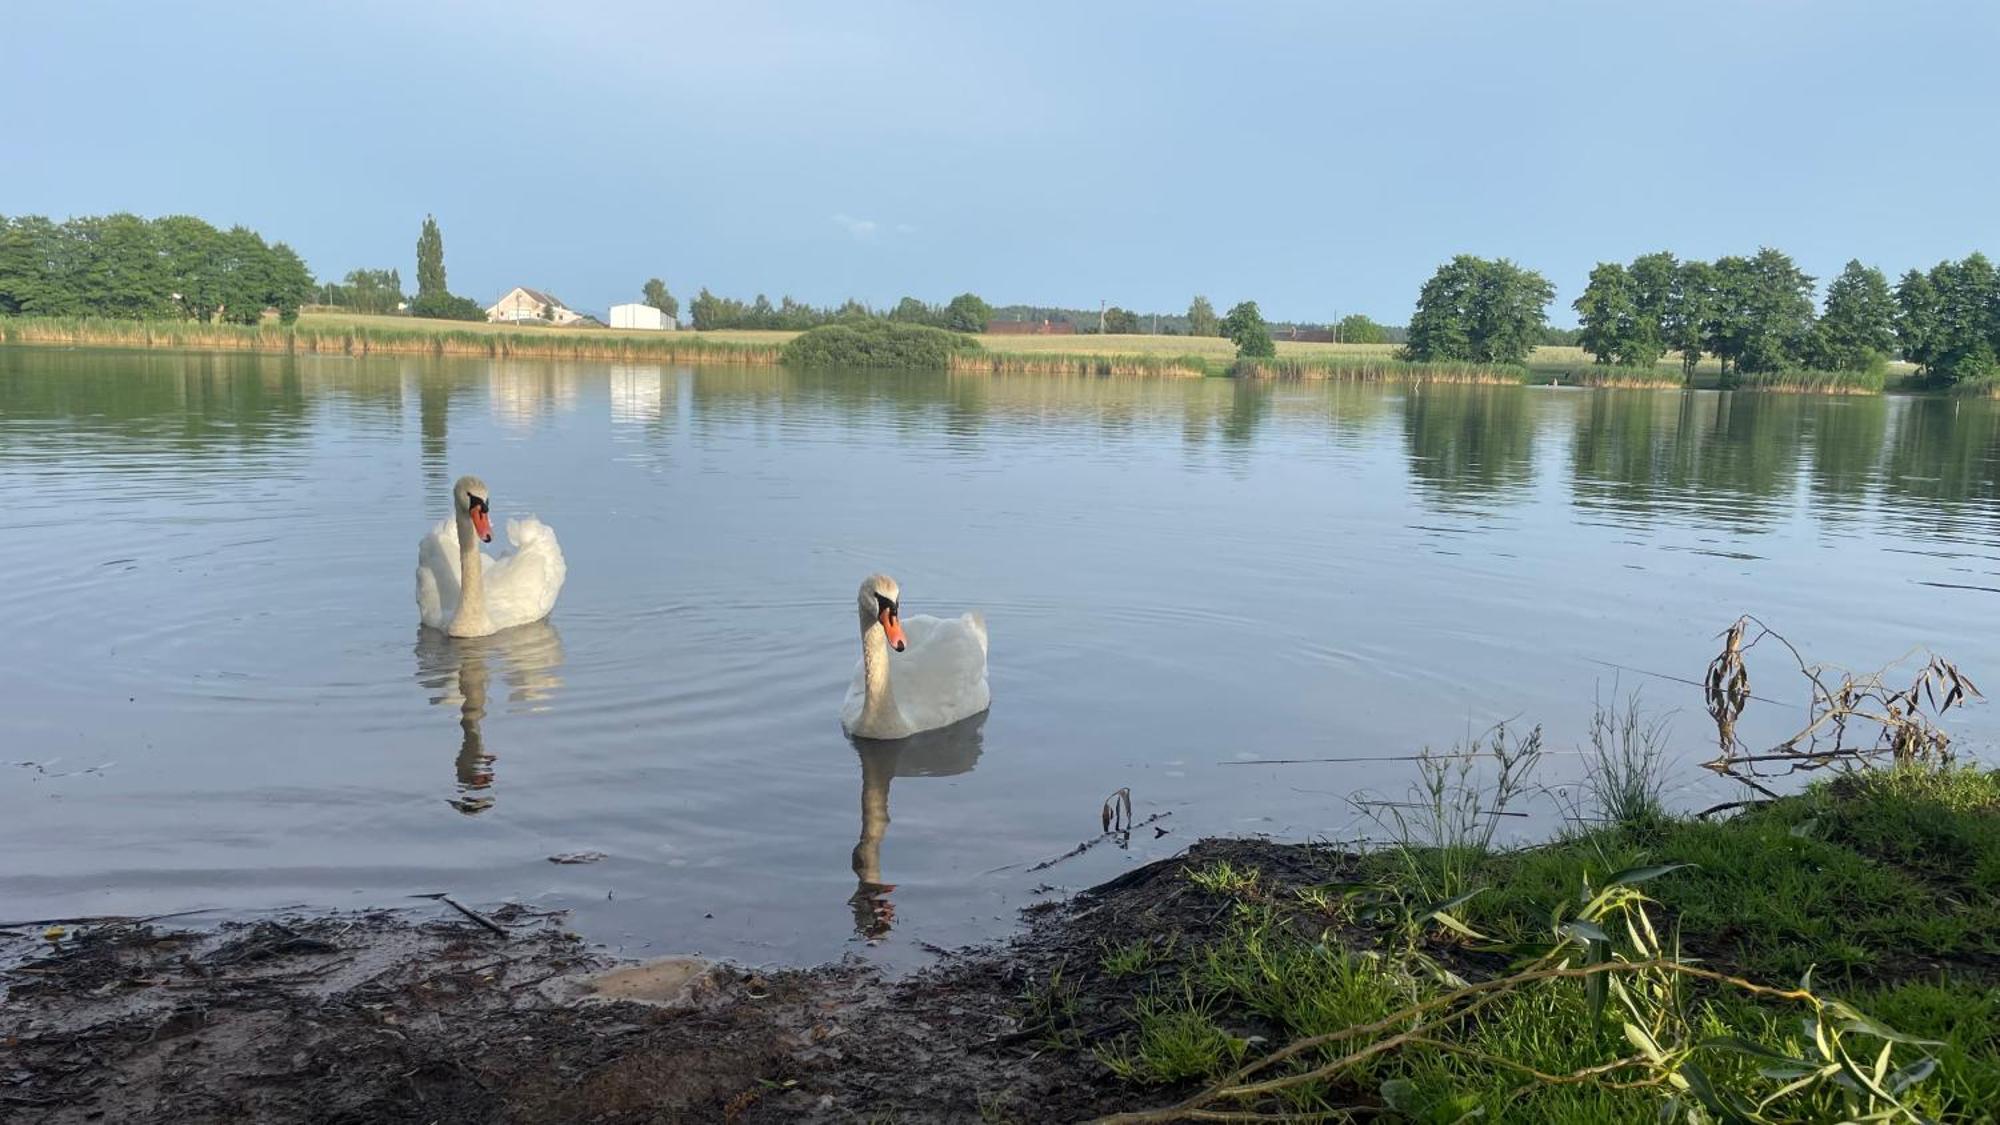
[1100, 316]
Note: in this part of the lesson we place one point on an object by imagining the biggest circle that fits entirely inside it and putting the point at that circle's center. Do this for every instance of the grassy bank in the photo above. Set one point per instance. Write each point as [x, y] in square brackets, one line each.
[1825, 957]
[1129, 355]
[1376, 368]
[385, 336]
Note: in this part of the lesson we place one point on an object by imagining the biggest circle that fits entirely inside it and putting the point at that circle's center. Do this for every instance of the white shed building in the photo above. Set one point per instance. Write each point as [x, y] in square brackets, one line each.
[640, 316]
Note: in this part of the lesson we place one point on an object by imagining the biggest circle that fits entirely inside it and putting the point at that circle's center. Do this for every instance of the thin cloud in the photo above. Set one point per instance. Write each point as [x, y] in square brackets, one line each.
[861, 229]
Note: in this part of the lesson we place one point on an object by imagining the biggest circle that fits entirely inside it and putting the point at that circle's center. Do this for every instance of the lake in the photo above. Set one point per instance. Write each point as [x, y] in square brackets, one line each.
[218, 696]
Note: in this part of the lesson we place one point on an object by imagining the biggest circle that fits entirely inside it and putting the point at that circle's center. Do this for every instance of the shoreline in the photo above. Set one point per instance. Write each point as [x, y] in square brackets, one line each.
[385, 336]
[1130, 998]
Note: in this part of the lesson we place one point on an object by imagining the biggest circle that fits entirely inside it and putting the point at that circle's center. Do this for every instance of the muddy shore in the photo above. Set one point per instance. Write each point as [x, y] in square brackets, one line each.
[390, 1018]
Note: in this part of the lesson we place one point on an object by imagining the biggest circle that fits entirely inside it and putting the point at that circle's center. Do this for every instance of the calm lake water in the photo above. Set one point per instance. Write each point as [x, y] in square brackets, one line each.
[217, 695]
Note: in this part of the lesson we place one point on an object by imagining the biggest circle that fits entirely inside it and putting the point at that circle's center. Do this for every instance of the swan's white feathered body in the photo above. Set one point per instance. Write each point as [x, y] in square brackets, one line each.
[511, 589]
[938, 679]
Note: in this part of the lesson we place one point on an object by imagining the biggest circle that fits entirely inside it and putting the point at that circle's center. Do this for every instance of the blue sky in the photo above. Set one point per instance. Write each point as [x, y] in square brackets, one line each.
[1321, 158]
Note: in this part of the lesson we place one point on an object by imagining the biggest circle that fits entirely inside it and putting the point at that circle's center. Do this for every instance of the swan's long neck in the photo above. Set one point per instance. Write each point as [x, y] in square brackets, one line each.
[878, 705]
[470, 620]
[876, 772]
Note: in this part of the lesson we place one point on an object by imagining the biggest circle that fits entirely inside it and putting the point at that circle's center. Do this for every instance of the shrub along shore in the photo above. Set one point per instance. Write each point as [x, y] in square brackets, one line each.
[884, 347]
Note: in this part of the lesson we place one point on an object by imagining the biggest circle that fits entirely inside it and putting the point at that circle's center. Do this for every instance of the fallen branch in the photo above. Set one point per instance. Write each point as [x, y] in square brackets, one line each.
[475, 915]
[1121, 834]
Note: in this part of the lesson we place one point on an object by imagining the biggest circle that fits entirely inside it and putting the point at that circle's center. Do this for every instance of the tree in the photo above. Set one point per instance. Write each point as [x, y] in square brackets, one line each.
[909, 310]
[1605, 310]
[1479, 311]
[1201, 317]
[656, 295]
[1965, 336]
[1857, 328]
[1776, 317]
[430, 261]
[289, 282]
[1123, 322]
[1245, 327]
[369, 291]
[1645, 336]
[1918, 313]
[1691, 306]
[447, 307]
[1441, 328]
[967, 313]
[1354, 328]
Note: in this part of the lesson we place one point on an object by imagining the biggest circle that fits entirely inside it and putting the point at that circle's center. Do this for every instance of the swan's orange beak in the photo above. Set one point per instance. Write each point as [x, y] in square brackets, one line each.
[481, 524]
[892, 627]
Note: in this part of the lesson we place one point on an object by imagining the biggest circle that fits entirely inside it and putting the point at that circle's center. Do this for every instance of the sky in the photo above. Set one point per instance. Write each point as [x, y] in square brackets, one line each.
[1319, 158]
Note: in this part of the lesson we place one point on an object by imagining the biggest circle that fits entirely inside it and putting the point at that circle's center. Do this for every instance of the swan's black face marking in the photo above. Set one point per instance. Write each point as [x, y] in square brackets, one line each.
[475, 503]
[887, 610]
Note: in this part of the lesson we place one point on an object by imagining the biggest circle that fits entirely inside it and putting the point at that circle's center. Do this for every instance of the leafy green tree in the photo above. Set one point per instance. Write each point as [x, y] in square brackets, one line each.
[967, 313]
[1605, 311]
[290, 283]
[1918, 314]
[1510, 309]
[1123, 322]
[1480, 311]
[1441, 328]
[909, 310]
[447, 306]
[1763, 317]
[430, 261]
[1857, 327]
[192, 250]
[1690, 311]
[1966, 337]
[1245, 327]
[370, 291]
[656, 295]
[1355, 328]
[1201, 317]
[1645, 337]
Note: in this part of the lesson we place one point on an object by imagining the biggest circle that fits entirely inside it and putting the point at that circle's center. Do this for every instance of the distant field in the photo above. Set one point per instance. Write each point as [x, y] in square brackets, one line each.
[1551, 359]
[1210, 346]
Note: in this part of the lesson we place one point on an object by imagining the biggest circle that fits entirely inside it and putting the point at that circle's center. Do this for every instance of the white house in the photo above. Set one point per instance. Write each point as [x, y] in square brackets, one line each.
[522, 304]
[640, 316]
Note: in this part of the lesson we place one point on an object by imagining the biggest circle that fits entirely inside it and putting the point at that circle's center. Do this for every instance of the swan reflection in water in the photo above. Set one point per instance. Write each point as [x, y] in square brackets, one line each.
[945, 752]
[459, 670]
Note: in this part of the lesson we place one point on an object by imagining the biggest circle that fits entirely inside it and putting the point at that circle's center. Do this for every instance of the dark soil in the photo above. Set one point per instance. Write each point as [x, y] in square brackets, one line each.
[380, 1018]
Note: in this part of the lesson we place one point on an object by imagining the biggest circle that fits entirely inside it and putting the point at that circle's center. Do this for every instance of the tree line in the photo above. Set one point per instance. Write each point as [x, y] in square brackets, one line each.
[128, 267]
[966, 312]
[1756, 314]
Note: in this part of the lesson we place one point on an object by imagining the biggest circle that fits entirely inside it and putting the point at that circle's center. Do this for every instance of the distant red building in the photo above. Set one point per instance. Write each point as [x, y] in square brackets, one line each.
[1042, 327]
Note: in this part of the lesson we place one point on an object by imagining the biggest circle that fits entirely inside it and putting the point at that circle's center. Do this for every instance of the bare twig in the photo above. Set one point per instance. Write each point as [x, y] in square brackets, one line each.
[475, 915]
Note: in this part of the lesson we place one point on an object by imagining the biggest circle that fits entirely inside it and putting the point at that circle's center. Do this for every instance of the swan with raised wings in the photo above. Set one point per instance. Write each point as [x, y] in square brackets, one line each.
[939, 679]
[468, 594]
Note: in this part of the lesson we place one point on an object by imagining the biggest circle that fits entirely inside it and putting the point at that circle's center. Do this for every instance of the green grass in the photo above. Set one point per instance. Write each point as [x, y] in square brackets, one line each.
[1375, 368]
[1883, 884]
[1854, 877]
[1814, 382]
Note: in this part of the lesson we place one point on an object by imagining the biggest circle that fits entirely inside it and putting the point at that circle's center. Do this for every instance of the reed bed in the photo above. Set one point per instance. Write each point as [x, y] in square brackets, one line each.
[412, 338]
[1072, 363]
[1377, 369]
[1636, 378]
[1814, 382]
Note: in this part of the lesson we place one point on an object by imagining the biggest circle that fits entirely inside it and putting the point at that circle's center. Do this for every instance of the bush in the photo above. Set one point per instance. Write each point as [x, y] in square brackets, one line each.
[875, 343]
[447, 307]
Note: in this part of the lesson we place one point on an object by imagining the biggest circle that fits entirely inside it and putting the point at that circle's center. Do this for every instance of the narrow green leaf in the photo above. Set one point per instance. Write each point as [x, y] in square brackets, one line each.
[1632, 876]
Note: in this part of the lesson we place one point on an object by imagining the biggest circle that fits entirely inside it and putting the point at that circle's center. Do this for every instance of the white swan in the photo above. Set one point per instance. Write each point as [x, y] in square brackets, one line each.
[495, 593]
[940, 679]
